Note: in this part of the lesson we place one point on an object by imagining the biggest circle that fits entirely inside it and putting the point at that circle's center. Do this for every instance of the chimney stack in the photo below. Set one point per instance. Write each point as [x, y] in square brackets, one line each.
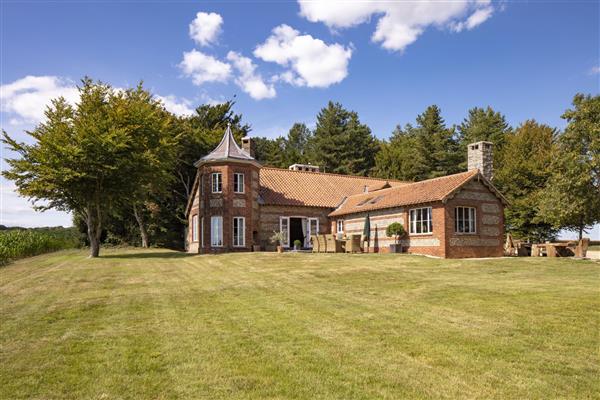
[248, 145]
[480, 156]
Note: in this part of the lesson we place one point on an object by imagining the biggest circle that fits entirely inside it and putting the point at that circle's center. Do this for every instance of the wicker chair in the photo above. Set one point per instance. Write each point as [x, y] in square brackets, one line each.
[322, 244]
[333, 245]
[353, 244]
[314, 239]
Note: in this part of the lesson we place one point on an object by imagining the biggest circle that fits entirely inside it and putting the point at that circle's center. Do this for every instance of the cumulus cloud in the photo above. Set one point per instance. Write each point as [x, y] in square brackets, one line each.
[25, 100]
[205, 28]
[310, 61]
[204, 68]
[28, 97]
[400, 23]
[248, 79]
[595, 70]
[175, 105]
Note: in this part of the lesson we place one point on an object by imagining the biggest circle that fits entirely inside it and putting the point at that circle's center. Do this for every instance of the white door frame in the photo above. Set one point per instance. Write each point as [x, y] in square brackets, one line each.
[287, 244]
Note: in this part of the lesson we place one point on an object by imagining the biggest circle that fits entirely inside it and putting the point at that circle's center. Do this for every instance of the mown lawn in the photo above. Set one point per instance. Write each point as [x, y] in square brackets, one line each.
[162, 325]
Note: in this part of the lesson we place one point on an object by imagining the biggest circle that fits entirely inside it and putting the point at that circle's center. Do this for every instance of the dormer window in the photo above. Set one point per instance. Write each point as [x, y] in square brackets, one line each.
[216, 179]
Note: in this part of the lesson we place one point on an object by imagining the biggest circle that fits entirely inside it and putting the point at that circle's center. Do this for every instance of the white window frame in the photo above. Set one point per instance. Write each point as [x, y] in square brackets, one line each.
[340, 226]
[237, 182]
[471, 220]
[202, 232]
[216, 234]
[309, 223]
[195, 228]
[414, 221]
[233, 236]
[286, 243]
[216, 182]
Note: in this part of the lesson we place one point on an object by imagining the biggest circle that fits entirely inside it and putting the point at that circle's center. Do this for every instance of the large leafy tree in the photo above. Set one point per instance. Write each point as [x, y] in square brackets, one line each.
[342, 144]
[88, 159]
[522, 177]
[571, 200]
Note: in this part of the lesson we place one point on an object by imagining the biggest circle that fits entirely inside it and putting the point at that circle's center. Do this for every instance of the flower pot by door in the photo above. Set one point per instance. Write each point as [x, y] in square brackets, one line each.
[280, 249]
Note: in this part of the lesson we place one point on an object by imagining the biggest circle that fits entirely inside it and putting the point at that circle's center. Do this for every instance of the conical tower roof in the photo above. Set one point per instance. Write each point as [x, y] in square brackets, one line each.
[227, 149]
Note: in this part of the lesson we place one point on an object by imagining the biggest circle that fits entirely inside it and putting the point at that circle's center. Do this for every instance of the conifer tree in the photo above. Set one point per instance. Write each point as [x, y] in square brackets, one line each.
[342, 144]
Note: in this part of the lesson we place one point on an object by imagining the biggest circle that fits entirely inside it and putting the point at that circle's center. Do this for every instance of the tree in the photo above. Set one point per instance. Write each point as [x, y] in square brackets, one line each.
[483, 125]
[528, 154]
[342, 144]
[154, 152]
[84, 159]
[398, 158]
[427, 150]
[297, 144]
[571, 200]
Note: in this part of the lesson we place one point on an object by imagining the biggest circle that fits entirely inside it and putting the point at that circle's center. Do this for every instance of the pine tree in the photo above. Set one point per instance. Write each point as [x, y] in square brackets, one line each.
[342, 144]
[483, 125]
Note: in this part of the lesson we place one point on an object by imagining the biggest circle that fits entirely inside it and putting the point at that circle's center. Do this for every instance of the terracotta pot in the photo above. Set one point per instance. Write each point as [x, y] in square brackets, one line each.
[280, 249]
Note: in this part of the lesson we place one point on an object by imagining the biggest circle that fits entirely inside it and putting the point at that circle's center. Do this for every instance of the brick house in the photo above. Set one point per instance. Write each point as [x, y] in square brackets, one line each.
[237, 204]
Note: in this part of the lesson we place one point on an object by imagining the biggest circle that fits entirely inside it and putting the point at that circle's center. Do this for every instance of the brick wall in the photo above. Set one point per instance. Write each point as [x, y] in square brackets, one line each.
[269, 220]
[488, 239]
[226, 204]
[430, 244]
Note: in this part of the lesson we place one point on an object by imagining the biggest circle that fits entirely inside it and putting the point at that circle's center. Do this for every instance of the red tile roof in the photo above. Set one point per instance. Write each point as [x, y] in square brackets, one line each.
[437, 189]
[314, 189]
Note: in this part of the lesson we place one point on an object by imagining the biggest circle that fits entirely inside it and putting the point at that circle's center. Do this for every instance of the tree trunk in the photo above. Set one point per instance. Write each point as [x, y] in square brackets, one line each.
[140, 220]
[581, 232]
[94, 229]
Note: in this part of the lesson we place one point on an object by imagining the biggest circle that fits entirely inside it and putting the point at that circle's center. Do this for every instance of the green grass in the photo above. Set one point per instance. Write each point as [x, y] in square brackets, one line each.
[162, 325]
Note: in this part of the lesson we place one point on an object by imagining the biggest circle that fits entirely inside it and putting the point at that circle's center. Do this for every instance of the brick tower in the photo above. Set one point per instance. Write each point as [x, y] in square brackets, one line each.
[223, 214]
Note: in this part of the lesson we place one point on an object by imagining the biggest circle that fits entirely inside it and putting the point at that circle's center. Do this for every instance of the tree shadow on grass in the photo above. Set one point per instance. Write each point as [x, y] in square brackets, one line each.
[150, 254]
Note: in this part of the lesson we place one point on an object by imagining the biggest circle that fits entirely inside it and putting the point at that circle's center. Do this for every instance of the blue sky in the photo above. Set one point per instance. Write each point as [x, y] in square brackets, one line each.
[284, 60]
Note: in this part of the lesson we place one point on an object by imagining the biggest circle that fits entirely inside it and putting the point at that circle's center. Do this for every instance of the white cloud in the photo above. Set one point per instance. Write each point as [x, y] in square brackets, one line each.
[178, 106]
[205, 28]
[311, 61]
[400, 23]
[27, 98]
[248, 79]
[595, 70]
[204, 68]
[477, 18]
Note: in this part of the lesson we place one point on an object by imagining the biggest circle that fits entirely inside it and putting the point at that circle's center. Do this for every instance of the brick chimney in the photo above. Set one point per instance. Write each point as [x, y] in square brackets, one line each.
[248, 145]
[480, 156]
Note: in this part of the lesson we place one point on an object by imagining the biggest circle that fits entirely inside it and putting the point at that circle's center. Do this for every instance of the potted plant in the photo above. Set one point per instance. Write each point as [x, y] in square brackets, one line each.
[396, 230]
[278, 238]
[297, 244]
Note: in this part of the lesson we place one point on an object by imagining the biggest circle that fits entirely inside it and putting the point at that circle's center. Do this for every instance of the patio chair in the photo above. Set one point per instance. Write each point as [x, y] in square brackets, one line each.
[353, 244]
[333, 245]
[322, 244]
[582, 246]
[314, 240]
